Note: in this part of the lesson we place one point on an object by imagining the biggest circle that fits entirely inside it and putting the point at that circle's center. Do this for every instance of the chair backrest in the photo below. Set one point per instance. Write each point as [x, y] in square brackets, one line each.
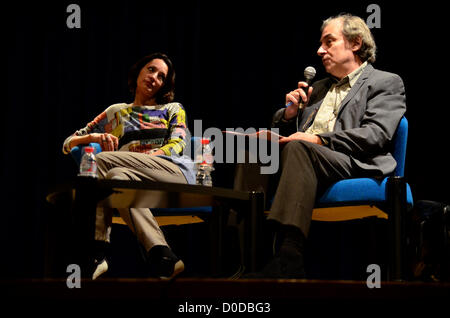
[399, 144]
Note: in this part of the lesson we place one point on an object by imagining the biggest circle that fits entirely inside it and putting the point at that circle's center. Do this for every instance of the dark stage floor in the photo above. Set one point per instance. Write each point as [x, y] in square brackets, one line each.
[223, 296]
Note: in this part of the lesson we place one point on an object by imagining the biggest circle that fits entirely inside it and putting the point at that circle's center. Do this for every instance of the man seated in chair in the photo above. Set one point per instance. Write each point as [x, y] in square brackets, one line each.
[344, 131]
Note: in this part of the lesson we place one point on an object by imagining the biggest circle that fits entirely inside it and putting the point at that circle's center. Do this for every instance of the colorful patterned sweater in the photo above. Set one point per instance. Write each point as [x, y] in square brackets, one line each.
[142, 129]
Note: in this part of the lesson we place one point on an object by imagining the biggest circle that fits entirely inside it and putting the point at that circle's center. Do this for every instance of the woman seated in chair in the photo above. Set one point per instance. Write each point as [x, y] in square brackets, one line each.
[143, 140]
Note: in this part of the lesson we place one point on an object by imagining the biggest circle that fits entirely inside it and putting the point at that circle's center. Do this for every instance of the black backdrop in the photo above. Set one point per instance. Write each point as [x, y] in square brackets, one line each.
[235, 61]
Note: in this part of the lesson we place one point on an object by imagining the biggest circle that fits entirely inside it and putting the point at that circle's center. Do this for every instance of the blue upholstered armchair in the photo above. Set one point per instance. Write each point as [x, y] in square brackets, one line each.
[370, 195]
[370, 190]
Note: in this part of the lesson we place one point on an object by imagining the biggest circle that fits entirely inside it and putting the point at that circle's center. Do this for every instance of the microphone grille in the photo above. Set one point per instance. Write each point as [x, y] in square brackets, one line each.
[309, 72]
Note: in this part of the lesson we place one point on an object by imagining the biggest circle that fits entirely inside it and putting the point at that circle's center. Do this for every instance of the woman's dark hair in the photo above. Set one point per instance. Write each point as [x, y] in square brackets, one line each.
[166, 94]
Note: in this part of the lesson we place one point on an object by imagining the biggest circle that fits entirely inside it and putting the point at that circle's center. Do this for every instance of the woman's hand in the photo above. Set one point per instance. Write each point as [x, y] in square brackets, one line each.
[107, 141]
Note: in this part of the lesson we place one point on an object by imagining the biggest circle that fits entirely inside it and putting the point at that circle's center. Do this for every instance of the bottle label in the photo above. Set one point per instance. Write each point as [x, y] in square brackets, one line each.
[88, 167]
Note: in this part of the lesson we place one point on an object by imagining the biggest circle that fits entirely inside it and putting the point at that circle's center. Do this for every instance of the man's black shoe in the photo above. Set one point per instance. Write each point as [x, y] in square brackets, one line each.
[287, 264]
[163, 263]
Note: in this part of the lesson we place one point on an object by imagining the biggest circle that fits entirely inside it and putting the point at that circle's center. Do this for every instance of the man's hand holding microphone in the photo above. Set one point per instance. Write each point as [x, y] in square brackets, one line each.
[300, 96]
[297, 99]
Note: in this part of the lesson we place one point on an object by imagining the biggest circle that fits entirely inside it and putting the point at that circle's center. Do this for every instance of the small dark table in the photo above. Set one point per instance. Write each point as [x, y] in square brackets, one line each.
[85, 194]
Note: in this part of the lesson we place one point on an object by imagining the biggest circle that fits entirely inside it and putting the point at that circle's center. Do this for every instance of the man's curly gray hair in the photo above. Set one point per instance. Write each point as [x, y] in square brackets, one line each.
[354, 27]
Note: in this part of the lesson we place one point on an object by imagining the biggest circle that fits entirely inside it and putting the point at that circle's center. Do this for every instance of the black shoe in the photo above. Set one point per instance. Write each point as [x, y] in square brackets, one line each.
[101, 267]
[100, 263]
[281, 266]
[168, 268]
[288, 261]
[163, 263]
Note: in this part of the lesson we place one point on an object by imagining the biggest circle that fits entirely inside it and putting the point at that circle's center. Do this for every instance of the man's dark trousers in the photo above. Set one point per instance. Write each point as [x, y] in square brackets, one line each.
[307, 170]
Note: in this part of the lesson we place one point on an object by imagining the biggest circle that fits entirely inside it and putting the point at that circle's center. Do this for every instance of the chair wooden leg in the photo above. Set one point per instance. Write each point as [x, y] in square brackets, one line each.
[396, 193]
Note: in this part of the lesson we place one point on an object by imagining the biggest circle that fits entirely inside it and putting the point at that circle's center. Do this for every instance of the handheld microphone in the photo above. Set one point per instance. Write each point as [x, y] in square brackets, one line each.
[309, 74]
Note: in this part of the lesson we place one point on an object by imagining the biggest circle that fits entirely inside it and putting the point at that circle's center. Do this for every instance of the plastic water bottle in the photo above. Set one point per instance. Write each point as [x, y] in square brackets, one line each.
[204, 163]
[88, 166]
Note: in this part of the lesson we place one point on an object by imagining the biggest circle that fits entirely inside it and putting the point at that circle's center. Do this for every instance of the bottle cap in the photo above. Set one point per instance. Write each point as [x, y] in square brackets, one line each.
[205, 141]
[88, 149]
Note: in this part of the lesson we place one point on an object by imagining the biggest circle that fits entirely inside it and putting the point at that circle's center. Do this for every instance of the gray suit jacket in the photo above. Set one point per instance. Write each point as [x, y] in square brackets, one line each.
[366, 122]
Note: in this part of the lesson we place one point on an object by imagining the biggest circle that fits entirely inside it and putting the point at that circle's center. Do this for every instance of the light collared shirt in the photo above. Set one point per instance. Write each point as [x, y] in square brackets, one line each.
[326, 115]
